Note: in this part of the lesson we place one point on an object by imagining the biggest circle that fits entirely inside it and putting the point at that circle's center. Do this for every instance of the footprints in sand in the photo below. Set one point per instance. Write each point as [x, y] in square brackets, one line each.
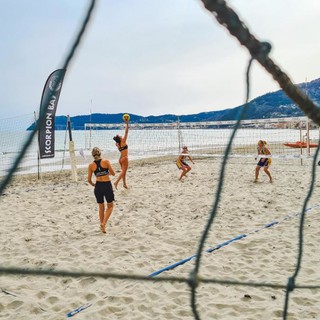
[15, 304]
[158, 221]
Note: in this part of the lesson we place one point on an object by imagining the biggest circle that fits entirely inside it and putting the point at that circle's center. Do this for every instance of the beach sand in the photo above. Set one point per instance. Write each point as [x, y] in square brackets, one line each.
[53, 224]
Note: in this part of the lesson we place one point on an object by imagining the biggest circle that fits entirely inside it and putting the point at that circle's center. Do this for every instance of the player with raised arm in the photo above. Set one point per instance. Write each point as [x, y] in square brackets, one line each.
[121, 144]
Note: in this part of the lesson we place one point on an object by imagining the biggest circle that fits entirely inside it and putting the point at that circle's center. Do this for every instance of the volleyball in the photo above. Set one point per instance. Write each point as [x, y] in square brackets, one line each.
[126, 117]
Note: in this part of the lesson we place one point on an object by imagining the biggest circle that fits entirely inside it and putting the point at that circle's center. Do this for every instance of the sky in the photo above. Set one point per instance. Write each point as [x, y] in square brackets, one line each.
[149, 57]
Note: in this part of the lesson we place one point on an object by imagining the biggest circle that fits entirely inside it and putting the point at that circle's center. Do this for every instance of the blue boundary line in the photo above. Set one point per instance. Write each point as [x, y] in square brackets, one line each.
[76, 311]
[223, 244]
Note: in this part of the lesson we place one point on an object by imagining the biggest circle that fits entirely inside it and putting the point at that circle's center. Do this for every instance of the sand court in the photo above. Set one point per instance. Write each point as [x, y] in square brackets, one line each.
[53, 224]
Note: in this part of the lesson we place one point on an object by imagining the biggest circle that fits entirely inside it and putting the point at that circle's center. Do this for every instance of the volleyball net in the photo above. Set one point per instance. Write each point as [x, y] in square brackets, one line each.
[287, 138]
[293, 138]
[258, 51]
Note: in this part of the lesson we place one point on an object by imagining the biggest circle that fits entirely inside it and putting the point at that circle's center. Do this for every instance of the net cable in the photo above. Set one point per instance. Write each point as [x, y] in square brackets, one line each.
[259, 51]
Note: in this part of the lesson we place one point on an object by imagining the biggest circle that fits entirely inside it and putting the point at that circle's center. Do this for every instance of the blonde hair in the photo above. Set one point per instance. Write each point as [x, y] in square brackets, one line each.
[263, 142]
[96, 152]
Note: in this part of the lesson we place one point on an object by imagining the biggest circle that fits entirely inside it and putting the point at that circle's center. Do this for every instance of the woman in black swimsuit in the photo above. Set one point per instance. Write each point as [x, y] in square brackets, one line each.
[102, 168]
[121, 143]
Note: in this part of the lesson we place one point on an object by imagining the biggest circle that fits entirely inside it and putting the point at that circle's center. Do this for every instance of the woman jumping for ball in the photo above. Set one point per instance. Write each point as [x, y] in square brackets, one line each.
[263, 162]
[181, 164]
[102, 168]
[121, 143]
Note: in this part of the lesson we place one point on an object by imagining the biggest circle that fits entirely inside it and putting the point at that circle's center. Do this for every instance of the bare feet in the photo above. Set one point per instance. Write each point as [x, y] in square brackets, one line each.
[125, 186]
[116, 185]
[271, 180]
[103, 228]
[255, 180]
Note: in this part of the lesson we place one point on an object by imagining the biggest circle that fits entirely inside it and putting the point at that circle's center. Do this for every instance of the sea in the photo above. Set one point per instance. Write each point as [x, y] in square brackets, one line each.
[142, 144]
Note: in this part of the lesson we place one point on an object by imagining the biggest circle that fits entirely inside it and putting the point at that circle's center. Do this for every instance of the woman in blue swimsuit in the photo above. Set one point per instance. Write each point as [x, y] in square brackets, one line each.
[121, 144]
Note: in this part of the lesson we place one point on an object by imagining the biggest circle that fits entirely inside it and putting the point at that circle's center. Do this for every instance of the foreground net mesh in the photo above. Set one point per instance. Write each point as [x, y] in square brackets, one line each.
[13, 137]
[259, 52]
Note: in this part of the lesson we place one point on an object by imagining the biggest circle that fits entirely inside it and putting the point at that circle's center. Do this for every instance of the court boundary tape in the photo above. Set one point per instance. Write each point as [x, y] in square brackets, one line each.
[219, 246]
[79, 309]
[225, 243]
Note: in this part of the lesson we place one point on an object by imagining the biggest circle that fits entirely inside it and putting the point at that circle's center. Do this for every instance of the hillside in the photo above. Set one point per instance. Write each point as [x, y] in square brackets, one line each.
[271, 105]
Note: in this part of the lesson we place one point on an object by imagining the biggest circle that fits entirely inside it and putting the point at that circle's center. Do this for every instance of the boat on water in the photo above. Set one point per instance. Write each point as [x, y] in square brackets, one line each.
[300, 144]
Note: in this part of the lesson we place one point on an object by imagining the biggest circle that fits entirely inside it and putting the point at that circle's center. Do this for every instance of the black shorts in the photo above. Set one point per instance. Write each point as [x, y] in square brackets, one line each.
[103, 190]
[265, 163]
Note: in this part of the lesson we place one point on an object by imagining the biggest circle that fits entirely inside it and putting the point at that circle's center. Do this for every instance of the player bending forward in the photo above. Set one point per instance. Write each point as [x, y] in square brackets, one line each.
[182, 164]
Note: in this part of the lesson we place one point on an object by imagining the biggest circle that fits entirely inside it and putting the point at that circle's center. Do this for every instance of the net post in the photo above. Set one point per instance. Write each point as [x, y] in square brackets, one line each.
[307, 126]
[179, 133]
[72, 154]
[301, 140]
[90, 126]
[308, 136]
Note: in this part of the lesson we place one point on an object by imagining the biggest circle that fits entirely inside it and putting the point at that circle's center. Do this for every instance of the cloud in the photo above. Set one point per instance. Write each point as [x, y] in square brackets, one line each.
[149, 57]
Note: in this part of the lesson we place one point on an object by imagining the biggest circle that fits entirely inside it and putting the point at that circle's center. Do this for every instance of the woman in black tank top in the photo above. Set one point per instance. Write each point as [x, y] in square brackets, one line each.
[102, 169]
